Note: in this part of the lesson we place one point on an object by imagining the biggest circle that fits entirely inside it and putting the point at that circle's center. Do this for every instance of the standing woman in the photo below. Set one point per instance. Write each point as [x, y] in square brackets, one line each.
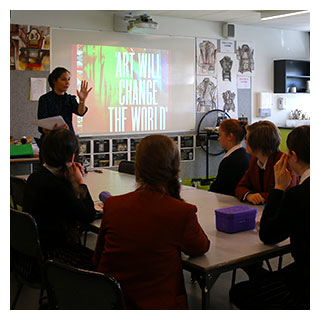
[143, 232]
[236, 161]
[58, 102]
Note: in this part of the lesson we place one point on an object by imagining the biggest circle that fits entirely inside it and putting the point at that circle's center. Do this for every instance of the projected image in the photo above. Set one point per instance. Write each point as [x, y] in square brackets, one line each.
[130, 89]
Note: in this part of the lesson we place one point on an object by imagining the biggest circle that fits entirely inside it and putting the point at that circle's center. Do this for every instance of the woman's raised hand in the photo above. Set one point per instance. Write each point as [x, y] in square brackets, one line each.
[83, 93]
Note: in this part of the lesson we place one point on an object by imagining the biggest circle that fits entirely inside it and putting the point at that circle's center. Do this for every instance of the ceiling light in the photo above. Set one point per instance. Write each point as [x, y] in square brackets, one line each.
[276, 14]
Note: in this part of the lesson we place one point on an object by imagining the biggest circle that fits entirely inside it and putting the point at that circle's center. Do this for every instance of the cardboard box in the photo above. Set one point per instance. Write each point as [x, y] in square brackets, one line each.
[236, 218]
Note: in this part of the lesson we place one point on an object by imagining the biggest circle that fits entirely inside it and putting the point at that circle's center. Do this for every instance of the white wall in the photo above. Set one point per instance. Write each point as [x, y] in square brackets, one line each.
[270, 44]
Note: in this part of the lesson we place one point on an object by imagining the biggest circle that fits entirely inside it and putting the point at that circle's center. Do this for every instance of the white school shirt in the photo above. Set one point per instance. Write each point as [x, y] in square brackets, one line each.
[234, 148]
[304, 176]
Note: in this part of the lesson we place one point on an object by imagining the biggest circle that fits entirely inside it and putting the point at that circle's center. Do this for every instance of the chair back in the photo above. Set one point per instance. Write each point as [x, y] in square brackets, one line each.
[71, 288]
[25, 252]
[17, 187]
[126, 167]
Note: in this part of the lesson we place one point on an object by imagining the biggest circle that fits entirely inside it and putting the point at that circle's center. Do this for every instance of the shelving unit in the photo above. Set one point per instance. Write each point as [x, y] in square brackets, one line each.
[109, 152]
[291, 73]
[187, 144]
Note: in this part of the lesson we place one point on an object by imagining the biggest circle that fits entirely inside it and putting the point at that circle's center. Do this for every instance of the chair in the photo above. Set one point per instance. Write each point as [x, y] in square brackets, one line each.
[71, 288]
[17, 186]
[26, 258]
[126, 167]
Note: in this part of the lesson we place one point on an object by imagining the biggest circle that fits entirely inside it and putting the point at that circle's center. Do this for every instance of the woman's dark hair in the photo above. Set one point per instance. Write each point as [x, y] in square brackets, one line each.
[264, 136]
[57, 149]
[55, 74]
[157, 165]
[298, 141]
[236, 127]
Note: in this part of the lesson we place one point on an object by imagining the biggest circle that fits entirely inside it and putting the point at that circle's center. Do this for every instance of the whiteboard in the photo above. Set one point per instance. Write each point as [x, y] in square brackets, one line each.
[172, 108]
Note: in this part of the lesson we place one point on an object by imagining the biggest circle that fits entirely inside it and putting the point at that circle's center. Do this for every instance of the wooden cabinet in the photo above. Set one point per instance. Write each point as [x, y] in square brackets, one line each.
[291, 73]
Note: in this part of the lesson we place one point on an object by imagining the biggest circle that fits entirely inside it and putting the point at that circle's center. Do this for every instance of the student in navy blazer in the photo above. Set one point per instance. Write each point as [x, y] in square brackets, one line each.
[236, 161]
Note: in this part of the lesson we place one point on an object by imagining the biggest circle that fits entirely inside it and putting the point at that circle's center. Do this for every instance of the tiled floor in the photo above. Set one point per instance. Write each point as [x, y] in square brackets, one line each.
[219, 298]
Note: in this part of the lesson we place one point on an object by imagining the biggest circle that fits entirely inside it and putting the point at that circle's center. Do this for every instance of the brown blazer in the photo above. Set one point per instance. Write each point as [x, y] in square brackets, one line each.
[250, 181]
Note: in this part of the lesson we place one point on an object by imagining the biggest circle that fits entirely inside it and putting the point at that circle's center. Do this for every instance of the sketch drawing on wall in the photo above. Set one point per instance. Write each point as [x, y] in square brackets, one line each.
[206, 95]
[245, 54]
[228, 98]
[226, 64]
[206, 57]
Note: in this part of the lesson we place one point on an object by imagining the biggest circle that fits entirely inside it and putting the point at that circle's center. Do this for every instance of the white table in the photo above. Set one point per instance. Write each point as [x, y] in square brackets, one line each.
[227, 251]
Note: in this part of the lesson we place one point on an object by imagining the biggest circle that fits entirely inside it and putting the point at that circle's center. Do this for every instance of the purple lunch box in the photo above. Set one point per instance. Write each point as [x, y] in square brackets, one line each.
[236, 218]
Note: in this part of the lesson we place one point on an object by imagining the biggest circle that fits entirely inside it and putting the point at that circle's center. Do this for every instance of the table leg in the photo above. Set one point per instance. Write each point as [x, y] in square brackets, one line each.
[206, 281]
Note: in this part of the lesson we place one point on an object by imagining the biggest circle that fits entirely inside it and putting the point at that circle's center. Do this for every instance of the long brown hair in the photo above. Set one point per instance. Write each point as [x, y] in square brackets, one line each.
[157, 165]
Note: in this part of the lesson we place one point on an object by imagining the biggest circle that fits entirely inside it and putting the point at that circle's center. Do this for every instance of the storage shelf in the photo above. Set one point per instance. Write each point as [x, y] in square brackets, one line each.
[299, 77]
[291, 73]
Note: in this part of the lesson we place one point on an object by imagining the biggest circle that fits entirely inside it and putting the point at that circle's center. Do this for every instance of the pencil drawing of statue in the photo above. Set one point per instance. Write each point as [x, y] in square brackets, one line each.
[228, 98]
[226, 64]
[207, 56]
[206, 99]
[245, 57]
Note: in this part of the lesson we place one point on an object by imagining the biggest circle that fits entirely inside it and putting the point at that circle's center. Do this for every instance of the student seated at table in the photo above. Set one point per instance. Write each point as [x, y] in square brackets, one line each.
[143, 232]
[286, 215]
[58, 199]
[236, 161]
[263, 143]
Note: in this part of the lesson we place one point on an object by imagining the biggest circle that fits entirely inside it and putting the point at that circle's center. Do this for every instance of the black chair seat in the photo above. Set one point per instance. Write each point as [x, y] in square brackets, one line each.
[71, 288]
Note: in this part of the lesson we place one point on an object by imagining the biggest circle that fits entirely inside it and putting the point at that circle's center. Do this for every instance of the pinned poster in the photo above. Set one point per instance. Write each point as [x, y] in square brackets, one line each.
[244, 82]
[37, 88]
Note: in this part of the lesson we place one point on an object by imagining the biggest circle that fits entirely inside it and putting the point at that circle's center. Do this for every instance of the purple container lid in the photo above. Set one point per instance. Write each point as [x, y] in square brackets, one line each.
[236, 210]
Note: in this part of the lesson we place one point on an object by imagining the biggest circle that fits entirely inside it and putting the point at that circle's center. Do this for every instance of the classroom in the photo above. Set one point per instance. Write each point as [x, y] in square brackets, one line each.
[178, 73]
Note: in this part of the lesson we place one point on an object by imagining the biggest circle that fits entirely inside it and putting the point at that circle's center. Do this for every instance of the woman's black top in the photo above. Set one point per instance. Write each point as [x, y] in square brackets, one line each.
[52, 104]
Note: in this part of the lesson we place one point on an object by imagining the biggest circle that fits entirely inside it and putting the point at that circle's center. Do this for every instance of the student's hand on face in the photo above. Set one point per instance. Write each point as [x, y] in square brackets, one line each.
[76, 172]
[255, 198]
[282, 175]
[79, 165]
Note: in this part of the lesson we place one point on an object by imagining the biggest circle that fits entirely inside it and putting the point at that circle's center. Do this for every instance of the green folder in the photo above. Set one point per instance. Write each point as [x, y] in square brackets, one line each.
[21, 151]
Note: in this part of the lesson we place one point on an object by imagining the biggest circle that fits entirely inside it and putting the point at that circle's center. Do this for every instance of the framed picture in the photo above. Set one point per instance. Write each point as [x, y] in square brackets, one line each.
[118, 157]
[119, 145]
[101, 160]
[101, 146]
[84, 147]
[186, 141]
[187, 154]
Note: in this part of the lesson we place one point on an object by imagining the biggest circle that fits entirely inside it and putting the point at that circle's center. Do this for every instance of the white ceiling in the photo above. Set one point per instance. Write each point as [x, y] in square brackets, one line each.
[247, 17]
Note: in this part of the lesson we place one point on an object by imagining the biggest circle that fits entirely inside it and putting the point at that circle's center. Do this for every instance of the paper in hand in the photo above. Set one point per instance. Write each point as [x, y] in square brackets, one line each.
[49, 123]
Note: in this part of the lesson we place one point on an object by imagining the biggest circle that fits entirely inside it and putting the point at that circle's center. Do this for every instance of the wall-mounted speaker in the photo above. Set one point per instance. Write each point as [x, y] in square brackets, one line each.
[228, 30]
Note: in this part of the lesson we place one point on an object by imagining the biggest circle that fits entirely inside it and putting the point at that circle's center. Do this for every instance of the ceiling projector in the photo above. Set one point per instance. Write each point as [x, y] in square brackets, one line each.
[142, 24]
